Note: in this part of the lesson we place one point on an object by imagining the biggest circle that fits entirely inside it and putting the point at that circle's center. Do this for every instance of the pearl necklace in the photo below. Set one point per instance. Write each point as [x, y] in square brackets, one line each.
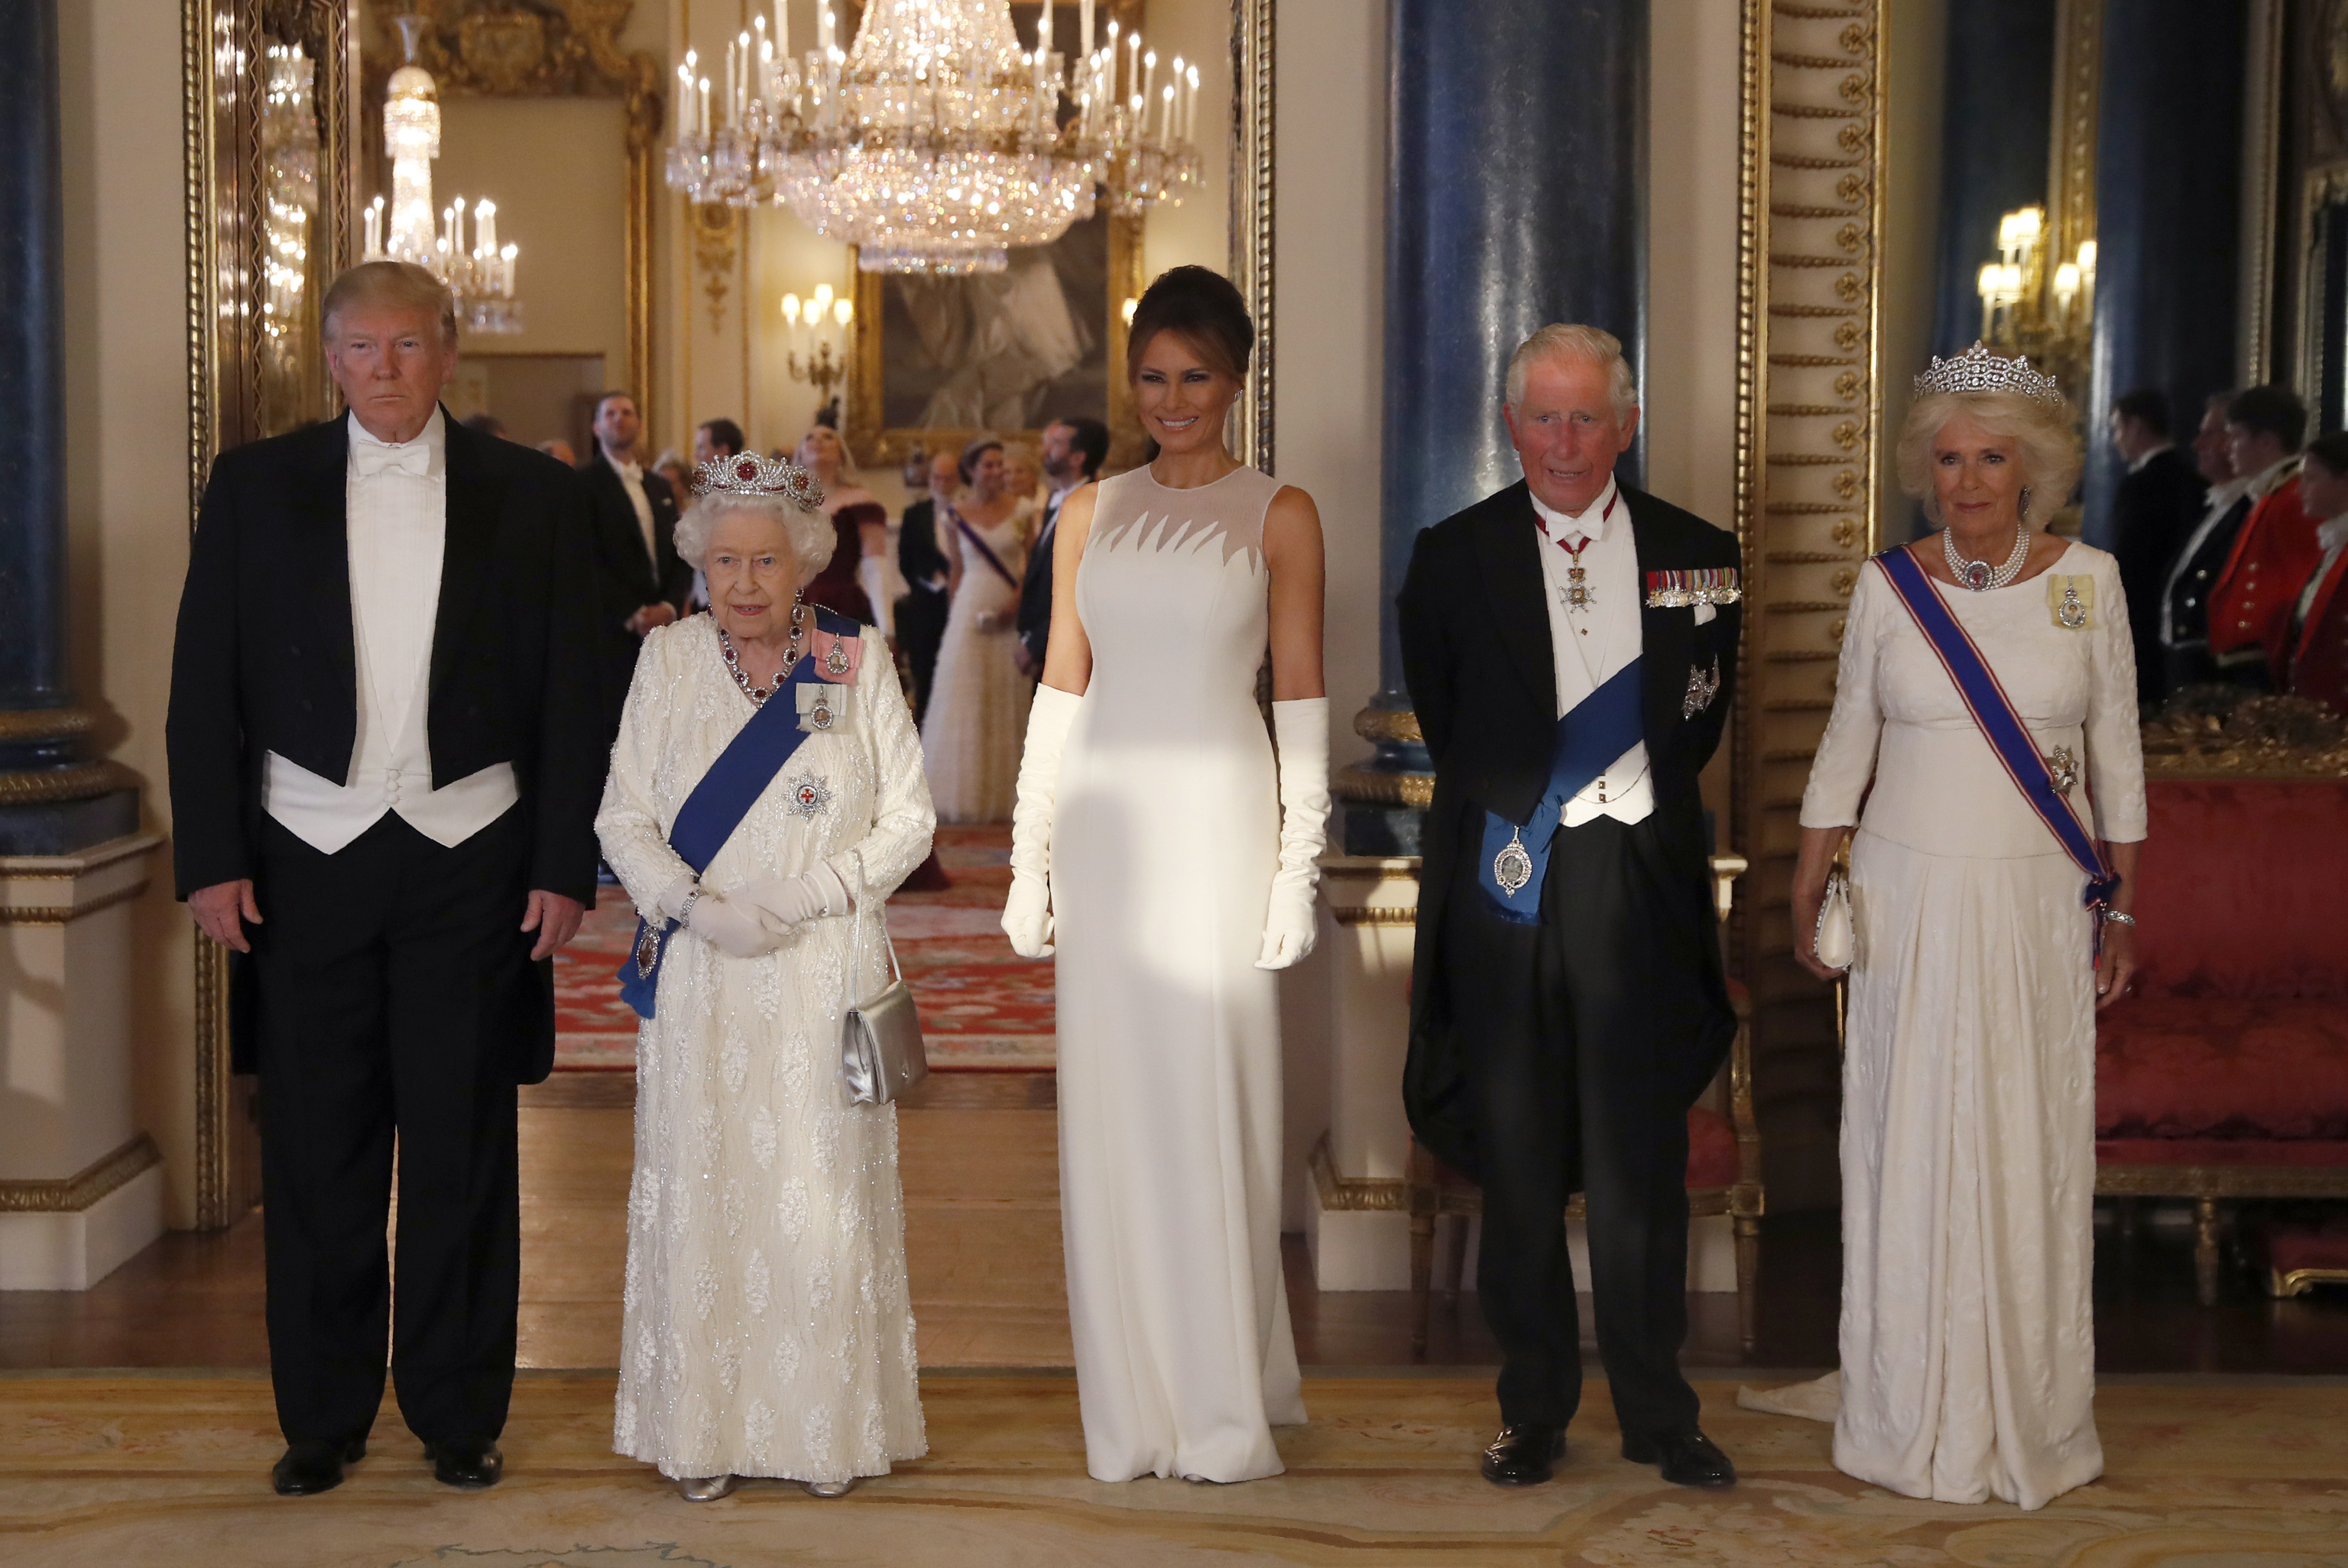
[759, 695]
[1979, 575]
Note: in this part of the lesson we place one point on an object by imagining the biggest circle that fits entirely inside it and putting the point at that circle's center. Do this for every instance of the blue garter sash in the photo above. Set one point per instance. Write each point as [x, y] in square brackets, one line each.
[1992, 711]
[1590, 738]
[722, 799]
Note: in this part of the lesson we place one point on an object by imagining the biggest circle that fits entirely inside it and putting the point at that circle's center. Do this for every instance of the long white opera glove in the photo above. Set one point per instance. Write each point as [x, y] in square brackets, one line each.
[1027, 913]
[1301, 728]
[780, 903]
[735, 932]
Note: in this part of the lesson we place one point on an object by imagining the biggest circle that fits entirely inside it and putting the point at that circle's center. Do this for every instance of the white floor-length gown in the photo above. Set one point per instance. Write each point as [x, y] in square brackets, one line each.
[1969, 1069]
[768, 1328]
[1165, 842]
[977, 719]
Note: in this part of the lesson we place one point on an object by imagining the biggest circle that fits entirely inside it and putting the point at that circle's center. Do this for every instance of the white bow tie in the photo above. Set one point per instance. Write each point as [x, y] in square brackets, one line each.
[372, 459]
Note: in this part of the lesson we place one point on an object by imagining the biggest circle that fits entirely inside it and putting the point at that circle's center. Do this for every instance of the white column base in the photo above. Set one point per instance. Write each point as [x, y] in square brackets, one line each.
[74, 1249]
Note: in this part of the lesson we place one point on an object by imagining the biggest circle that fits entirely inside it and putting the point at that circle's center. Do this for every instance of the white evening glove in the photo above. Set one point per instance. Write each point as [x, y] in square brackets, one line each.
[1027, 913]
[733, 932]
[1301, 727]
[780, 903]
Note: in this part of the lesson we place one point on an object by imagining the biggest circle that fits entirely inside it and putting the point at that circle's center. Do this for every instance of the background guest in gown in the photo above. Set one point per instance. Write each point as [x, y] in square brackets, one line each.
[2317, 642]
[1563, 1023]
[2250, 607]
[922, 611]
[766, 1328]
[1074, 450]
[641, 585]
[860, 525]
[1155, 853]
[1969, 1072]
[2182, 611]
[978, 701]
[2154, 510]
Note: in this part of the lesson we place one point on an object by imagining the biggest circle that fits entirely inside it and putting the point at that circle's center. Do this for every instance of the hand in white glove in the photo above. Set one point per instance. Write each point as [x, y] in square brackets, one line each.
[732, 931]
[1300, 729]
[1027, 912]
[780, 903]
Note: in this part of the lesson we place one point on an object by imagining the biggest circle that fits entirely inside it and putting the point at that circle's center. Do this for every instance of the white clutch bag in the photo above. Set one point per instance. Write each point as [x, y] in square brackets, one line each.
[1837, 937]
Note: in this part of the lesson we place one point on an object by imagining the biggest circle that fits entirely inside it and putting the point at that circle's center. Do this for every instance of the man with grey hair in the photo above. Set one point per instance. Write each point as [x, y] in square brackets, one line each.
[1569, 644]
[384, 768]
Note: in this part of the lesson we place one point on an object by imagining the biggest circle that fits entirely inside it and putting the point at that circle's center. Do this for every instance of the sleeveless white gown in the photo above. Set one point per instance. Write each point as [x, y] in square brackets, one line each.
[1164, 841]
[978, 703]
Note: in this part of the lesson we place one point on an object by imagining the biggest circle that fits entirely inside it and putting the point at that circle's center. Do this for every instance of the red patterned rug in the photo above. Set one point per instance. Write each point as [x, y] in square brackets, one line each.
[982, 1006]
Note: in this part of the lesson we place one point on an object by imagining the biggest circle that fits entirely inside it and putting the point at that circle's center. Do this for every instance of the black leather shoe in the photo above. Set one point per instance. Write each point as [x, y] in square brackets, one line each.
[1688, 1458]
[310, 1468]
[466, 1466]
[1522, 1456]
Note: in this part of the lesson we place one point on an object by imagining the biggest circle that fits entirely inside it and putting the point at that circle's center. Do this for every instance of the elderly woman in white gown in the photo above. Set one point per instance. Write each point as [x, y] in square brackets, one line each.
[1969, 1071]
[768, 1330]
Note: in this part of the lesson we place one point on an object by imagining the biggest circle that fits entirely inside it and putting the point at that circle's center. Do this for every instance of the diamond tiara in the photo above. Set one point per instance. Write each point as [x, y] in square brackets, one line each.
[748, 474]
[1978, 370]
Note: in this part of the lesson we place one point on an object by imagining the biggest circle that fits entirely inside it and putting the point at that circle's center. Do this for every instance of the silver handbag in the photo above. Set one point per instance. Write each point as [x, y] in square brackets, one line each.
[880, 1053]
[1836, 938]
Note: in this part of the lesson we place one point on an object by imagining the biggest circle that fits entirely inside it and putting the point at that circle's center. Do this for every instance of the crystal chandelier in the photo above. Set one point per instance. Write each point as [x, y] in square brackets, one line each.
[289, 142]
[482, 274]
[936, 143]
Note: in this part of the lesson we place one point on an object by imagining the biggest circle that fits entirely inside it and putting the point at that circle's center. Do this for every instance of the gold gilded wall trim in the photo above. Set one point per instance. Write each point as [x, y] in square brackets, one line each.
[71, 1194]
[1810, 449]
[2071, 156]
[1253, 39]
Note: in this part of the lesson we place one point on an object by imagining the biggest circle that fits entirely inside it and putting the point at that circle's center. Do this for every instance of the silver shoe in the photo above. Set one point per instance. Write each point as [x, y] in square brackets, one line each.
[703, 1489]
[830, 1488]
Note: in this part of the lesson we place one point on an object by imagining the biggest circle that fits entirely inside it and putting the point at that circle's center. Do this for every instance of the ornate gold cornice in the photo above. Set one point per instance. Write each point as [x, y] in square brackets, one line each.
[84, 1187]
[67, 913]
[45, 786]
[1367, 786]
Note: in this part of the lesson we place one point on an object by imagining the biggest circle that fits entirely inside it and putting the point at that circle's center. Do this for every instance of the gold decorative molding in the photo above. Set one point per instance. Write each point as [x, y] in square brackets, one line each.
[1253, 36]
[2296, 1281]
[84, 781]
[1391, 724]
[2225, 732]
[1369, 786]
[23, 725]
[85, 1187]
[67, 913]
[2071, 146]
[1355, 1194]
[1376, 914]
[2262, 191]
[716, 230]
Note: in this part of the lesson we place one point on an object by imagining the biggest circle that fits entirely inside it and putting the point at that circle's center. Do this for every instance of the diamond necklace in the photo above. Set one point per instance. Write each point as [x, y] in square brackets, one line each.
[1978, 575]
[759, 695]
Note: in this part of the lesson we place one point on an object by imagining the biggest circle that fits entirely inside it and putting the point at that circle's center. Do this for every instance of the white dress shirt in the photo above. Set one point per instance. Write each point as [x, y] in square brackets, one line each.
[631, 480]
[1588, 645]
[397, 498]
[2221, 499]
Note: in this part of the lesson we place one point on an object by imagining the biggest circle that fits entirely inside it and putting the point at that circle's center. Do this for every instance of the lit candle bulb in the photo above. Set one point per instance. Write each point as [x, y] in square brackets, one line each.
[1084, 28]
[1166, 118]
[1190, 107]
[790, 310]
[842, 310]
[506, 258]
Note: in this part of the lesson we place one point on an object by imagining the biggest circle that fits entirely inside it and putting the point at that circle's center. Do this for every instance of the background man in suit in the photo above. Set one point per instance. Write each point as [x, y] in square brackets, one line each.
[640, 583]
[922, 612]
[714, 438]
[1074, 450]
[2183, 612]
[1563, 1022]
[2154, 511]
[2250, 605]
[384, 775]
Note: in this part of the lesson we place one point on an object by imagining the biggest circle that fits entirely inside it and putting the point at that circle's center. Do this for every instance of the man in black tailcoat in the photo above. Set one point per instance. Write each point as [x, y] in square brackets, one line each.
[2154, 509]
[640, 583]
[385, 770]
[1073, 451]
[922, 611]
[1570, 646]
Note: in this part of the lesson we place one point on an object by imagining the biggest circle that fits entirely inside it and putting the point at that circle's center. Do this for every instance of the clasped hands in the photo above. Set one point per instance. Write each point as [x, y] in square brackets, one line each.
[754, 919]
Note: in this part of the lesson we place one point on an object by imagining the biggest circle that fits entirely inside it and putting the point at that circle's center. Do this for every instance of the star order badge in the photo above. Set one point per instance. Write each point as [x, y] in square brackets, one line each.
[809, 795]
[1513, 867]
[1701, 687]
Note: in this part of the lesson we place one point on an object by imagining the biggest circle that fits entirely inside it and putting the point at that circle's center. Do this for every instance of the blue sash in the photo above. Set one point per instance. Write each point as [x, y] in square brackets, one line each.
[985, 554]
[1590, 738]
[2000, 724]
[723, 798]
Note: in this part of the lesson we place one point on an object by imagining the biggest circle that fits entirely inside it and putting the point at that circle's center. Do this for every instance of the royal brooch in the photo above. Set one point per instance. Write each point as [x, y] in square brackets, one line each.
[809, 795]
[1513, 866]
[1702, 689]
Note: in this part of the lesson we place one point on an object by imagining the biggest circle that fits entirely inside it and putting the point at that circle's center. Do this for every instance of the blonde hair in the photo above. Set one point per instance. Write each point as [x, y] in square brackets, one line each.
[2044, 434]
[1589, 346]
[401, 285]
[809, 535]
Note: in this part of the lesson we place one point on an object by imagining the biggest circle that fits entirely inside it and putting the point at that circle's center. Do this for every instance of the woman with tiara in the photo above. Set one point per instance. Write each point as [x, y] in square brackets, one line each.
[1987, 694]
[1173, 853]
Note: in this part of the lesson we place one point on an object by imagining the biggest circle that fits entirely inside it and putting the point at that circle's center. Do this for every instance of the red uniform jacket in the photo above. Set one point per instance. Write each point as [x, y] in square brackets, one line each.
[2251, 605]
[2318, 661]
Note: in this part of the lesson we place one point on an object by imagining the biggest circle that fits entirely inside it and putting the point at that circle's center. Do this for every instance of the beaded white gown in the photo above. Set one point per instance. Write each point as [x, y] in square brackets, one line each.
[977, 719]
[1969, 1068]
[768, 1327]
[1166, 837]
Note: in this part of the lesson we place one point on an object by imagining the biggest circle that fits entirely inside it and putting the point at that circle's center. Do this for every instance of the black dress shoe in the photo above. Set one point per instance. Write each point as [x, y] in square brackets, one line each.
[311, 1467]
[469, 1467]
[1688, 1458]
[1522, 1456]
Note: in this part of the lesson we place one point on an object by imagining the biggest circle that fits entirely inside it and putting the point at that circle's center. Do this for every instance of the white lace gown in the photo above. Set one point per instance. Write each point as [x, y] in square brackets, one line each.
[767, 1329]
[1969, 1068]
[1166, 837]
[977, 720]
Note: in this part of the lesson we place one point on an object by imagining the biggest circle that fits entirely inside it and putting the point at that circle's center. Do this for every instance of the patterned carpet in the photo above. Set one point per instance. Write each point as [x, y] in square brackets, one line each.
[160, 1471]
[982, 1006]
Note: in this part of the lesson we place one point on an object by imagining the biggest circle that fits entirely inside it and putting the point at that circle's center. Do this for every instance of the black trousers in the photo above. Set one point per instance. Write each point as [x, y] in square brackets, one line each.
[1580, 1030]
[389, 975]
[921, 632]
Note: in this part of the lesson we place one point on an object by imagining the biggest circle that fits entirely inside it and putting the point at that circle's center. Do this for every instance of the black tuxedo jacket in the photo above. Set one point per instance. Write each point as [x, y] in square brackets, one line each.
[1477, 656]
[2190, 584]
[627, 579]
[266, 656]
[2154, 511]
[1034, 622]
[917, 555]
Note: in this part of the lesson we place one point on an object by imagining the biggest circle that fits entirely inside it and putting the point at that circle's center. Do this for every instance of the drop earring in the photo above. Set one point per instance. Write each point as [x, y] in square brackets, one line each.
[2025, 503]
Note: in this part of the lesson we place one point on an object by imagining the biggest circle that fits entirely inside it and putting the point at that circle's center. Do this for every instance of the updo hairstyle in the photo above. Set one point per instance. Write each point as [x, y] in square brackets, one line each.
[980, 444]
[809, 537]
[1202, 308]
[2044, 434]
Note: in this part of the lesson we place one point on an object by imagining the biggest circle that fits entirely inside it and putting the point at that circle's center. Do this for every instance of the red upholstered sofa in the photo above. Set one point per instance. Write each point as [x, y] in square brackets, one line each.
[2226, 1074]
